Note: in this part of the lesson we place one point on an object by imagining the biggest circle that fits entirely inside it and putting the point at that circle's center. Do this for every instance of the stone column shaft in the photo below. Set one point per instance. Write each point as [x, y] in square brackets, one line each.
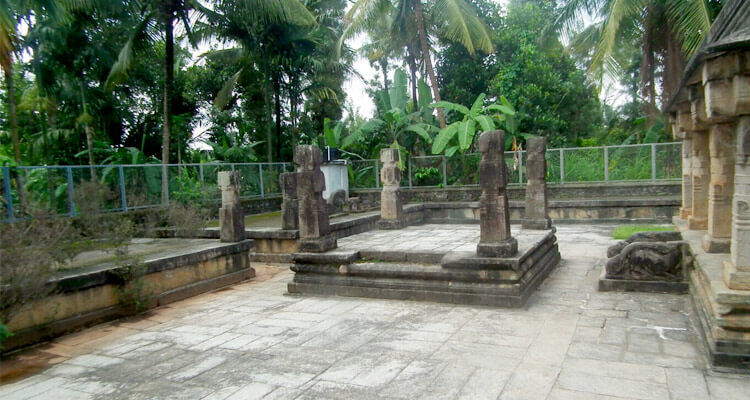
[701, 175]
[231, 216]
[721, 188]
[536, 215]
[687, 177]
[391, 209]
[737, 270]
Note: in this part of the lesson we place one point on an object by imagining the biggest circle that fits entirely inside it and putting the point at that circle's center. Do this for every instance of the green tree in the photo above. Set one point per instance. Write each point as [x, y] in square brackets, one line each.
[667, 32]
[452, 20]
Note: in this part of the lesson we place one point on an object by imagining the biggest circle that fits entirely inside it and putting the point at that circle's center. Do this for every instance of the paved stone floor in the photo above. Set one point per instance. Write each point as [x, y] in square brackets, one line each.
[252, 341]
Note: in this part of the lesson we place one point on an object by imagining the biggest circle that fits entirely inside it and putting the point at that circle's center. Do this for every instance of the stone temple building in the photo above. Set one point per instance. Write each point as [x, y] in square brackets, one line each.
[710, 113]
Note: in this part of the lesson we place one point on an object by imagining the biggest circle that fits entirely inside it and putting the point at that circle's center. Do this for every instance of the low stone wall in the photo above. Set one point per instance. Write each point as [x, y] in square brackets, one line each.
[370, 198]
[565, 211]
[92, 295]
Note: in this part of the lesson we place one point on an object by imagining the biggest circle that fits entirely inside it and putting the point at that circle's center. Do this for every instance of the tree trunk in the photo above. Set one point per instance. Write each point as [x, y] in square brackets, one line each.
[12, 113]
[168, 15]
[427, 58]
[384, 67]
[267, 107]
[674, 64]
[413, 71]
[277, 112]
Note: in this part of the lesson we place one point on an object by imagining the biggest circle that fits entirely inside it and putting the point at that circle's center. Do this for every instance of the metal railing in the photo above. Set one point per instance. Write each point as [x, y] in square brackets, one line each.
[58, 189]
[638, 162]
[131, 187]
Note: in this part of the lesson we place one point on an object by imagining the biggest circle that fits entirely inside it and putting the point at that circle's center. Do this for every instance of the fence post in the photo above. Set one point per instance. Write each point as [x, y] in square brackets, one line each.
[123, 196]
[520, 168]
[409, 169]
[562, 166]
[232, 165]
[200, 172]
[71, 193]
[653, 161]
[8, 194]
[606, 164]
[165, 193]
[445, 173]
[260, 179]
[377, 174]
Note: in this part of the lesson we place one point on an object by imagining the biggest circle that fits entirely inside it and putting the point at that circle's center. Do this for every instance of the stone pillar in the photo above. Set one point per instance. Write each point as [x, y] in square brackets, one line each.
[391, 209]
[289, 203]
[535, 216]
[231, 217]
[700, 164]
[687, 177]
[494, 216]
[314, 230]
[737, 270]
[721, 189]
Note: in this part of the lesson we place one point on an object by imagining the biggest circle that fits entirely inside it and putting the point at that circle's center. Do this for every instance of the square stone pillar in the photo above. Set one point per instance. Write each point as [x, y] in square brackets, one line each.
[231, 217]
[687, 177]
[314, 228]
[289, 203]
[737, 270]
[494, 216]
[721, 189]
[700, 164]
[391, 208]
[536, 215]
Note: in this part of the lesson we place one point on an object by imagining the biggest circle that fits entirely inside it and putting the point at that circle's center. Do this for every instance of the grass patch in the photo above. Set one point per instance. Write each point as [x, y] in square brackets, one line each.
[626, 231]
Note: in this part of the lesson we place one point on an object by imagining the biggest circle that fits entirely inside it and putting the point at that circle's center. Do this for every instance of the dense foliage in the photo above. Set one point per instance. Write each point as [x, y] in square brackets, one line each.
[101, 82]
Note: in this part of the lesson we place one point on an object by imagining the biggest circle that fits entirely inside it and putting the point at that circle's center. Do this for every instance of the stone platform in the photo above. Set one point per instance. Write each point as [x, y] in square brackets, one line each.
[428, 263]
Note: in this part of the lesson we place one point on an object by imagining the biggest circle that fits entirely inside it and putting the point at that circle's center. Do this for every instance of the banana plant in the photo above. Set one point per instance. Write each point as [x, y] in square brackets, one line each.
[479, 118]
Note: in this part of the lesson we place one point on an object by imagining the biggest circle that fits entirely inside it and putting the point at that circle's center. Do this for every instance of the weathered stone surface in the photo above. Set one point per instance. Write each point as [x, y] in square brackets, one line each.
[231, 216]
[648, 258]
[336, 201]
[391, 208]
[737, 273]
[701, 175]
[643, 237]
[721, 189]
[687, 177]
[536, 214]
[494, 216]
[314, 228]
[289, 205]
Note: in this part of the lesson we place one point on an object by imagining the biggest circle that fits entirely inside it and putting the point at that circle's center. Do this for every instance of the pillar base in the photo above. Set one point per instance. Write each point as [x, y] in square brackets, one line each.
[685, 213]
[715, 245]
[505, 248]
[541, 224]
[388, 224]
[317, 245]
[736, 280]
[697, 224]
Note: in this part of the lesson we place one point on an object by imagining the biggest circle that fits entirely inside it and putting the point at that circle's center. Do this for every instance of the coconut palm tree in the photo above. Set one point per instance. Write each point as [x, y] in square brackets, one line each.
[668, 32]
[451, 20]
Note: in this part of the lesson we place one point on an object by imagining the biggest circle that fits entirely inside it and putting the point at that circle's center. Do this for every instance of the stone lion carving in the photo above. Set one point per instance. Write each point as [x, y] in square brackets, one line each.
[652, 256]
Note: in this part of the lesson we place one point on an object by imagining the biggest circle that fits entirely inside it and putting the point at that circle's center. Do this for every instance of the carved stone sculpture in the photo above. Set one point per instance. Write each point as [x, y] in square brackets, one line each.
[289, 203]
[535, 216]
[391, 209]
[231, 217]
[701, 176]
[721, 189]
[314, 229]
[494, 217]
[648, 256]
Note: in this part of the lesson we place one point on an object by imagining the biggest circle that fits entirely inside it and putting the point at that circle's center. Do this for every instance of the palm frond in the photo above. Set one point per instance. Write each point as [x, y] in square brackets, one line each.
[618, 11]
[119, 71]
[462, 25]
[690, 22]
